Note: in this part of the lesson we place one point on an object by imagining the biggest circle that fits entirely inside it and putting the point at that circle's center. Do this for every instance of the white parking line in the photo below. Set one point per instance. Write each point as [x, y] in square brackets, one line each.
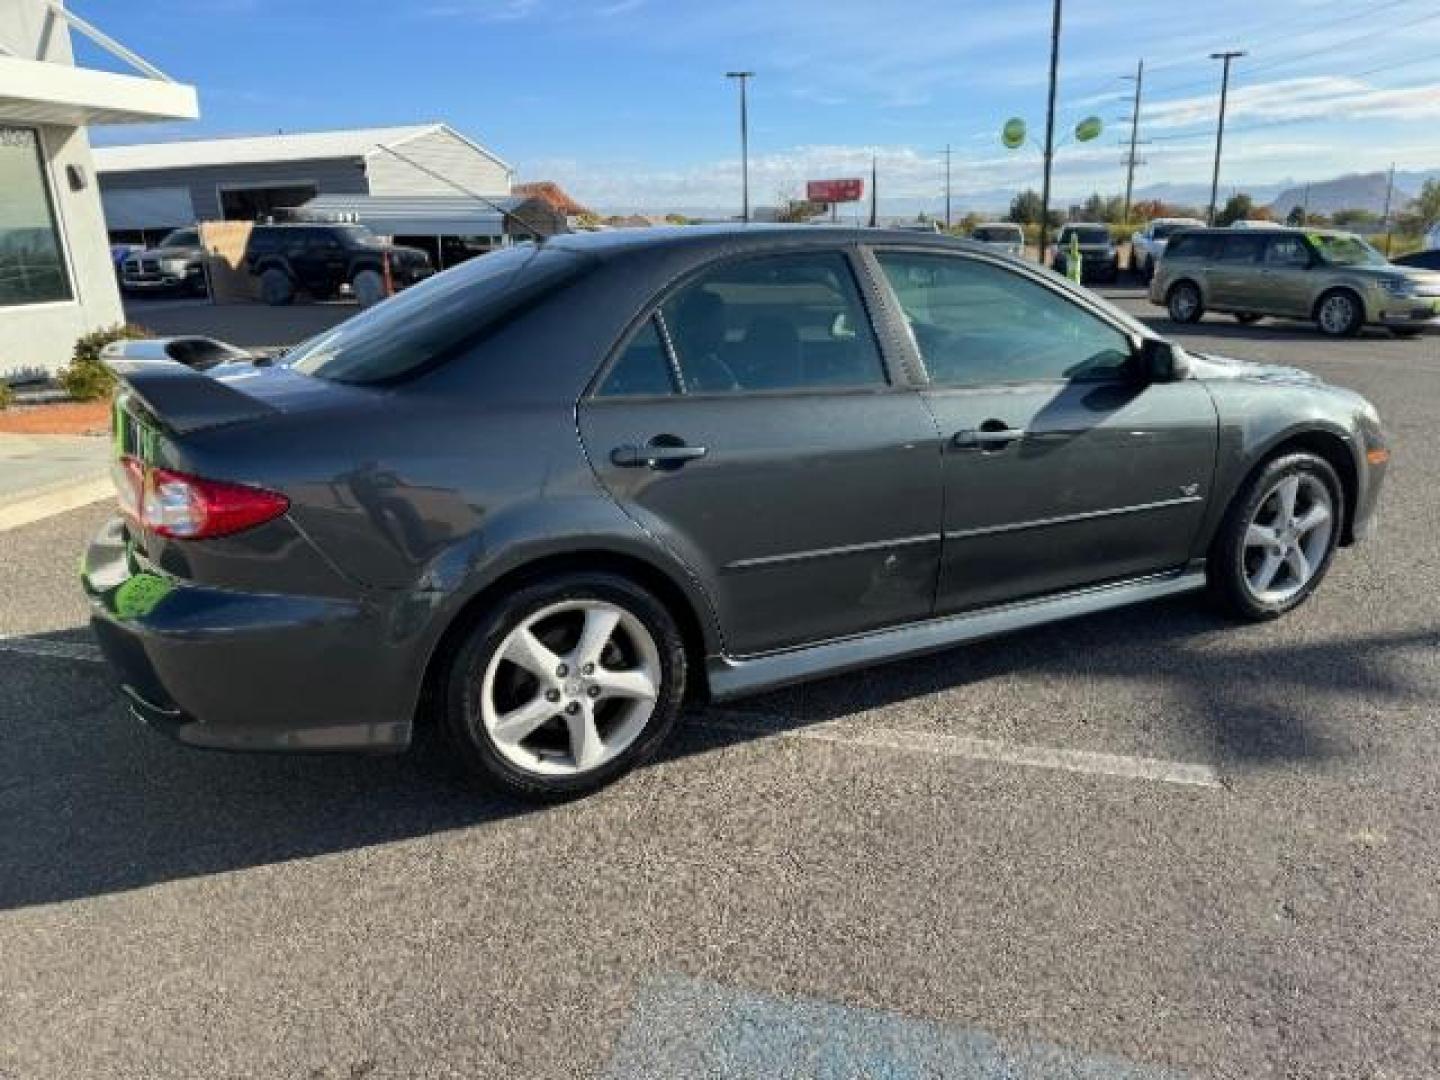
[55, 501]
[960, 746]
[65, 650]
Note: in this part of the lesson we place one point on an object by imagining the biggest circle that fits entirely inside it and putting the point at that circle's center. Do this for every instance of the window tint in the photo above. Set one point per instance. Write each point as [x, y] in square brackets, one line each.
[429, 323]
[977, 324]
[32, 266]
[1287, 251]
[1243, 248]
[182, 238]
[642, 370]
[262, 240]
[1193, 246]
[777, 322]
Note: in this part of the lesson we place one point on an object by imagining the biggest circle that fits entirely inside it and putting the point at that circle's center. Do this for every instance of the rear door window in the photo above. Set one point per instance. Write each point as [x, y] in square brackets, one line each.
[642, 369]
[1287, 251]
[1244, 248]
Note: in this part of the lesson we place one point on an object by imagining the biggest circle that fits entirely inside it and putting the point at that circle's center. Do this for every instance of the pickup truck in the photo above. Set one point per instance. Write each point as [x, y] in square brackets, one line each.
[1147, 245]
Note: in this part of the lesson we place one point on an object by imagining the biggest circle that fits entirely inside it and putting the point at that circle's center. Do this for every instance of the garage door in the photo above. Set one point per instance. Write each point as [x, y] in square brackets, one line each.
[147, 208]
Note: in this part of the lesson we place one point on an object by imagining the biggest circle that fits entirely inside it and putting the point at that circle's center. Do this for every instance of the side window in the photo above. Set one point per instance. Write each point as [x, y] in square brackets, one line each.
[1243, 248]
[977, 324]
[262, 241]
[642, 369]
[1287, 251]
[1192, 246]
[774, 322]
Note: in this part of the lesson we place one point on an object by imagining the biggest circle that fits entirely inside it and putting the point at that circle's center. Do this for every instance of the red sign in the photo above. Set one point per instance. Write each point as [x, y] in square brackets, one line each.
[851, 189]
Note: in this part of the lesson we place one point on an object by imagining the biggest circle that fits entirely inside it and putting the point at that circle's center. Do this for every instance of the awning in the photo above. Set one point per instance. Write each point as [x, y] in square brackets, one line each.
[41, 92]
[424, 215]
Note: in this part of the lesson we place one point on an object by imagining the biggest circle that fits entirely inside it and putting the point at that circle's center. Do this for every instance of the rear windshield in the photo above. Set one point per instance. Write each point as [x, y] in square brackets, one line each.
[1091, 234]
[426, 325]
[992, 234]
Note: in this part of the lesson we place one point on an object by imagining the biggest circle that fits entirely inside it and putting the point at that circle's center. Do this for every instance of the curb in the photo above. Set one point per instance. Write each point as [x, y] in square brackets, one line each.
[56, 500]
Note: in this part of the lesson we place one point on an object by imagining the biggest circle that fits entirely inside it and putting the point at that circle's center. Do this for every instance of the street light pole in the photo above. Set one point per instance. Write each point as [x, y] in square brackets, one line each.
[1049, 132]
[744, 78]
[947, 187]
[1134, 138]
[1220, 130]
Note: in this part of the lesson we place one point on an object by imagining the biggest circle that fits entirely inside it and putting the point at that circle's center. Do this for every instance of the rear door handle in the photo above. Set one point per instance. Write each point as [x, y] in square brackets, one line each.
[982, 438]
[655, 457]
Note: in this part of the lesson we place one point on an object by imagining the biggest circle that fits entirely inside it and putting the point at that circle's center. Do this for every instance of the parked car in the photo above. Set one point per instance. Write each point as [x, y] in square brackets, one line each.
[176, 264]
[1423, 260]
[1432, 238]
[1008, 237]
[545, 497]
[1333, 278]
[322, 260]
[1254, 223]
[1148, 244]
[1099, 258]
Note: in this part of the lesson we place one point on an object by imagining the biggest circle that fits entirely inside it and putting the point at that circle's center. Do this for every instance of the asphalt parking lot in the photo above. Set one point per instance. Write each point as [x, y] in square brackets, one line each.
[1150, 843]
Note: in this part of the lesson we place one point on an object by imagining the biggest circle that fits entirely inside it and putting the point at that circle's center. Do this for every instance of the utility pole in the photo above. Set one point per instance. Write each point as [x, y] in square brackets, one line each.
[874, 192]
[1385, 220]
[744, 77]
[1134, 137]
[1050, 132]
[947, 187]
[1220, 131]
[1305, 210]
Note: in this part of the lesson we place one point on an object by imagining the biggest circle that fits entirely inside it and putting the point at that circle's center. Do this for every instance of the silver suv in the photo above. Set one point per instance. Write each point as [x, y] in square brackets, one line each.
[1333, 278]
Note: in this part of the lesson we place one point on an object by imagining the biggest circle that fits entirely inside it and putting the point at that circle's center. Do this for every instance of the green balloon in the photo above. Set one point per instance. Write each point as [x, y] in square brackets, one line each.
[1013, 133]
[1088, 129]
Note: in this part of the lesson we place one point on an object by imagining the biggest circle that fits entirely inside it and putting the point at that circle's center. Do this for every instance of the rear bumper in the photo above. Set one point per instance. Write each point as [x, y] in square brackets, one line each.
[245, 671]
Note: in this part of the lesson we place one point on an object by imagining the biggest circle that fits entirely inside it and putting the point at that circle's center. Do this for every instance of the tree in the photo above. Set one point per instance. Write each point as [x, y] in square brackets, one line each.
[1296, 217]
[1025, 208]
[676, 219]
[1237, 208]
[1355, 219]
[1427, 204]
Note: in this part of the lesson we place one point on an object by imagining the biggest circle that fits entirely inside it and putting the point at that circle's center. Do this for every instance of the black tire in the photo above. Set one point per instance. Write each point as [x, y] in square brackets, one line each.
[1351, 325]
[461, 710]
[368, 286]
[1225, 565]
[1176, 303]
[276, 288]
[1247, 318]
[1147, 271]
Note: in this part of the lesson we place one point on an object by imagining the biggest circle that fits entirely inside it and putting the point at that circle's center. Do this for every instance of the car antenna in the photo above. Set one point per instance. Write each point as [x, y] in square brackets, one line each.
[491, 203]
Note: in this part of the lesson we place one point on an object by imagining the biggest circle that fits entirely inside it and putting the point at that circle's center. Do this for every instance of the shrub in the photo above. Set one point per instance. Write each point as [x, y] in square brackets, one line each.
[86, 378]
[7, 396]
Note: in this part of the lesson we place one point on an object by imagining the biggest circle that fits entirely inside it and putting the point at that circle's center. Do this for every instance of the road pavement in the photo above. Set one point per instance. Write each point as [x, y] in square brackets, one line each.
[1149, 843]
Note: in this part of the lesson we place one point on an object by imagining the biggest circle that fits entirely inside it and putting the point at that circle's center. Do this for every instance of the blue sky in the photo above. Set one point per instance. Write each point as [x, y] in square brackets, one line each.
[625, 101]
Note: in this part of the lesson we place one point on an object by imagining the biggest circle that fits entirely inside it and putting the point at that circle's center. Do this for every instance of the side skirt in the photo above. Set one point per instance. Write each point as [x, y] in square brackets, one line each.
[733, 677]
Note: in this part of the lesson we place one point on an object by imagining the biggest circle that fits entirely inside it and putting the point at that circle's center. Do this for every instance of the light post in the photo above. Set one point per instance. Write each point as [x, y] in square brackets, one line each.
[744, 78]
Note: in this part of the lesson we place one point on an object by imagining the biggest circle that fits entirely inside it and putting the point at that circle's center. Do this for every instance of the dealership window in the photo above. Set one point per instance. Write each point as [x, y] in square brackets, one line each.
[32, 262]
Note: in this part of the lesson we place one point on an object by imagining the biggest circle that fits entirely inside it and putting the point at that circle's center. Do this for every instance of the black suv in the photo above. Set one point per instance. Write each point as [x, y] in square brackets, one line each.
[321, 258]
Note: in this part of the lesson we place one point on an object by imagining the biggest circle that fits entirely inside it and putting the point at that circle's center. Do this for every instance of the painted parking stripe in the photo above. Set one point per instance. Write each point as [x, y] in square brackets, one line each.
[64, 650]
[55, 501]
[681, 1026]
[961, 746]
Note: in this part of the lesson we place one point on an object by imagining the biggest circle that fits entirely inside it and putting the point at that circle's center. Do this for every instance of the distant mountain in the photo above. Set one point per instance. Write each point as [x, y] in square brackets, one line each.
[1358, 191]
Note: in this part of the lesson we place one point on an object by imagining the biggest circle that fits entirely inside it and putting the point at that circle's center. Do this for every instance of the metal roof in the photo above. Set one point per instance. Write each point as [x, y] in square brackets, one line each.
[257, 149]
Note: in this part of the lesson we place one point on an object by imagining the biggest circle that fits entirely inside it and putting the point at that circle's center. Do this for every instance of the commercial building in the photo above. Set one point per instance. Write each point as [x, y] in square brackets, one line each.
[423, 184]
[56, 278]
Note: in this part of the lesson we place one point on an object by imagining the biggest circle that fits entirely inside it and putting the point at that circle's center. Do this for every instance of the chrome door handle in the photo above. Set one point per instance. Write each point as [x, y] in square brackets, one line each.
[981, 438]
[654, 457]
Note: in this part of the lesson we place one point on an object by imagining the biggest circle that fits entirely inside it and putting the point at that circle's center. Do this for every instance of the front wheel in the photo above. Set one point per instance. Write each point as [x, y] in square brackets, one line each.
[1185, 303]
[1340, 314]
[565, 685]
[1278, 537]
[369, 288]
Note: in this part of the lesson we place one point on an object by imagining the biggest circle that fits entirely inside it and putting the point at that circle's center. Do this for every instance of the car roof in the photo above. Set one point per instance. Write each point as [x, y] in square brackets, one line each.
[739, 237]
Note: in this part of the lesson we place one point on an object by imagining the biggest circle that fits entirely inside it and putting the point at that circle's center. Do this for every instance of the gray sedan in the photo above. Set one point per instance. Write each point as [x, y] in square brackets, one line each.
[543, 498]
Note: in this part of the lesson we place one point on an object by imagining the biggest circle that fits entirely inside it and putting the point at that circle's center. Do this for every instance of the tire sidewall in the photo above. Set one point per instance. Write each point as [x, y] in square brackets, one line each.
[1175, 292]
[373, 289]
[1357, 314]
[1226, 564]
[461, 713]
[274, 295]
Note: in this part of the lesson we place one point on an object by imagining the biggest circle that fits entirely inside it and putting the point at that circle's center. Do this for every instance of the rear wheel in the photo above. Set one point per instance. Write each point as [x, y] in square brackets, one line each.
[1339, 314]
[369, 288]
[565, 685]
[276, 288]
[1185, 303]
[1278, 537]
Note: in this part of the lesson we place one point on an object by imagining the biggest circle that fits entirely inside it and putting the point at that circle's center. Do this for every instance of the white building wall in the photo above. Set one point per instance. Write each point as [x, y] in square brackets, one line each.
[442, 153]
[39, 338]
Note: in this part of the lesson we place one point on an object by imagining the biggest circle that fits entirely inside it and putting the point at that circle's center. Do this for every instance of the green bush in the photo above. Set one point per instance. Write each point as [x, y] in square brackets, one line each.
[7, 396]
[86, 377]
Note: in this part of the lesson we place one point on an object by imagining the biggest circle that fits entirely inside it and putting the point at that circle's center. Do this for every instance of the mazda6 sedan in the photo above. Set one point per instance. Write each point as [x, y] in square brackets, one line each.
[547, 496]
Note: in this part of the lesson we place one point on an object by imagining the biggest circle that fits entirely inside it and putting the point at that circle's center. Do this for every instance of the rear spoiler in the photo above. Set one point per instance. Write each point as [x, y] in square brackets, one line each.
[200, 353]
[182, 399]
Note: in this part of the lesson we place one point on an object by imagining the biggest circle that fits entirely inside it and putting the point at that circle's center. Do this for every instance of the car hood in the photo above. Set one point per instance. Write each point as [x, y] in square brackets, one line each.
[1211, 368]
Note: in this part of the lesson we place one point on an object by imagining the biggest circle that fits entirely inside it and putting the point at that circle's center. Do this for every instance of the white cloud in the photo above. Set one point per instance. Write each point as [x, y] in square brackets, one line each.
[1321, 97]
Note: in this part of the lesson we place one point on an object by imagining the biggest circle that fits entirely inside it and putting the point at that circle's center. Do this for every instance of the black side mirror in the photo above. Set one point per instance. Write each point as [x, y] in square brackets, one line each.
[1162, 362]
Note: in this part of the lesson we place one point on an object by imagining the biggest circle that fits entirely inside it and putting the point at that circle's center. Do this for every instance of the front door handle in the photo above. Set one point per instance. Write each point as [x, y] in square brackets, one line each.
[986, 438]
[655, 455]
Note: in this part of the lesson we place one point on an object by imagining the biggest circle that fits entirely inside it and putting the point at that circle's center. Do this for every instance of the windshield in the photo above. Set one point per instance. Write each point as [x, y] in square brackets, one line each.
[1092, 234]
[1346, 250]
[181, 238]
[992, 234]
[429, 323]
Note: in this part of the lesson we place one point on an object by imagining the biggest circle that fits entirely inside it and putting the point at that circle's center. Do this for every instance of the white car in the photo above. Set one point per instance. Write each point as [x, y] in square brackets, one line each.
[1147, 245]
[1255, 223]
[1432, 239]
[1008, 237]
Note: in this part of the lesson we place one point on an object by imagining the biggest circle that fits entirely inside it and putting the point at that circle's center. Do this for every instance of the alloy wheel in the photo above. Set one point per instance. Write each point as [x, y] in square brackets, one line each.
[1287, 538]
[1337, 314]
[1184, 303]
[570, 688]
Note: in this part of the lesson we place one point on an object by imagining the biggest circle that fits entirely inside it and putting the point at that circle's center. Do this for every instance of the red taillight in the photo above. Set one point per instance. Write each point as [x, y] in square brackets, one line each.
[186, 507]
